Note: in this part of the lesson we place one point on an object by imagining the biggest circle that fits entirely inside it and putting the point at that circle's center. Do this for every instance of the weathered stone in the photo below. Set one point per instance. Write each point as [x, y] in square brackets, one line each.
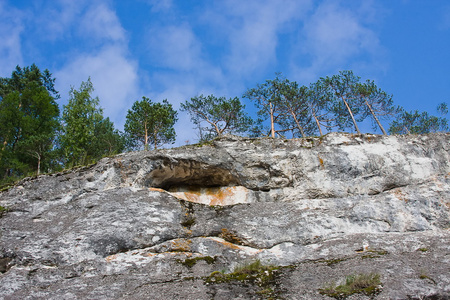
[157, 224]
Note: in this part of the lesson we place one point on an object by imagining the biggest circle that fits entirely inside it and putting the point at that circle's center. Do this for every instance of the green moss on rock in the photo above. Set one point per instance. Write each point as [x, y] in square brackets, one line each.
[190, 262]
[368, 284]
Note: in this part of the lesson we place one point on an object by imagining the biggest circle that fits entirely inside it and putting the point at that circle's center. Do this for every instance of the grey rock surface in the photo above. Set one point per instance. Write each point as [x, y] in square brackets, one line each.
[157, 224]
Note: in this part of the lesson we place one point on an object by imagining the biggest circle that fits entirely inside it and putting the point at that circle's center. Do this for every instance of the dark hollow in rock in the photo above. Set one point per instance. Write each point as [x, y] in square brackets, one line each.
[186, 173]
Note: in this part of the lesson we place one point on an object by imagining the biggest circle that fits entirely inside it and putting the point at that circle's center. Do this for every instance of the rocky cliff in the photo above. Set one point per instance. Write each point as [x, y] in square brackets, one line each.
[237, 219]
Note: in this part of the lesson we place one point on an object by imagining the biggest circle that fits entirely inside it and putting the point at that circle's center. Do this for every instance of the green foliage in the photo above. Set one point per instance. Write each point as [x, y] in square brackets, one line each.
[319, 107]
[368, 284]
[190, 262]
[221, 115]
[2, 210]
[267, 97]
[29, 120]
[376, 104]
[86, 136]
[343, 93]
[253, 272]
[294, 109]
[150, 123]
[416, 122]
[338, 101]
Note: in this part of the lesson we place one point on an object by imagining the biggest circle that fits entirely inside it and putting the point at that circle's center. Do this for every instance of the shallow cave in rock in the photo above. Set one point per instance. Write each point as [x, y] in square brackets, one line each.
[187, 173]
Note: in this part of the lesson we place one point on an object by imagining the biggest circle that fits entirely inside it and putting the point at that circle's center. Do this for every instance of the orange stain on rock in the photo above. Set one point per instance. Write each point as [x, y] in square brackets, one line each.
[220, 196]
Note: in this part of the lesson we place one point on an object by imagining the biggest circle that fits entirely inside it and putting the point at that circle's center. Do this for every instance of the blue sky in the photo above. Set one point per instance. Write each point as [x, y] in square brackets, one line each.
[178, 49]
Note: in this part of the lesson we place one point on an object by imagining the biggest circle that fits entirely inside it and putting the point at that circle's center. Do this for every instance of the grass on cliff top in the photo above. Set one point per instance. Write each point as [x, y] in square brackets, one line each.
[368, 284]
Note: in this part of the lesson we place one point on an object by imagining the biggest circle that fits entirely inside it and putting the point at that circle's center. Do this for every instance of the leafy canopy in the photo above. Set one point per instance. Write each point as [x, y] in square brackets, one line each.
[150, 123]
[415, 122]
[86, 135]
[220, 115]
[29, 120]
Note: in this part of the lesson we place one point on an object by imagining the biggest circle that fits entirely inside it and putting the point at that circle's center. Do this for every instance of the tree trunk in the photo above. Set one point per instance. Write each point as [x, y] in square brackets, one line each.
[146, 137]
[272, 125]
[351, 114]
[317, 121]
[39, 164]
[298, 125]
[375, 117]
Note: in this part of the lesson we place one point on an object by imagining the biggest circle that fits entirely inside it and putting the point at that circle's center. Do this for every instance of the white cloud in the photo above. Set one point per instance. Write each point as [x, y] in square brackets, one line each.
[11, 27]
[252, 29]
[58, 19]
[160, 5]
[175, 47]
[114, 78]
[445, 19]
[335, 36]
[113, 74]
[102, 24]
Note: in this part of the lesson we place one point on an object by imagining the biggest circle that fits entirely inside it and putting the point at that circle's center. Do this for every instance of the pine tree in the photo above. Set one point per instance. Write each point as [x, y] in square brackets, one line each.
[220, 115]
[150, 123]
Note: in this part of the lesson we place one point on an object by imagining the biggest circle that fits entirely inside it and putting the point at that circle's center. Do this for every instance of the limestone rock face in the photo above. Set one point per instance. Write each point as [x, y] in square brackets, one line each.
[157, 224]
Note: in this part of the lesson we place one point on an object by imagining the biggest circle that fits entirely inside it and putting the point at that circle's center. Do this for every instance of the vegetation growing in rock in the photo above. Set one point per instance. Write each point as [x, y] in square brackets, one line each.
[2, 210]
[371, 253]
[424, 276]
[368, 284]
[254, 273]
[190, 262]
[188, 222]
[230, 237]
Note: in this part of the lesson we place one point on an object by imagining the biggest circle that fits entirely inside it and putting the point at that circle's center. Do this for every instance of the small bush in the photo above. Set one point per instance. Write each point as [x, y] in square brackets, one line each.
[368, 284]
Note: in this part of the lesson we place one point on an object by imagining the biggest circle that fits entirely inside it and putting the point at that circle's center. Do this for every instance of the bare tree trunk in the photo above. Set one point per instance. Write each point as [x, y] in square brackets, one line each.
[375, 117]
[39, 164]
[272, 125]
[298, 125]
[317, 121]
[146, 137]
[351, 114]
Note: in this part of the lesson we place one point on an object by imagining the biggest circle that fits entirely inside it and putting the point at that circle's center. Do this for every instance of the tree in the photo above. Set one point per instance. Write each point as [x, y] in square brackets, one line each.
[345, 96]
[376, 104]
[319, 106]
[294, 108]
[108, 140]
[267, 97]
[415, 122]
[149, 122]
[86, 136]
[221, 115]
[29, 120]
